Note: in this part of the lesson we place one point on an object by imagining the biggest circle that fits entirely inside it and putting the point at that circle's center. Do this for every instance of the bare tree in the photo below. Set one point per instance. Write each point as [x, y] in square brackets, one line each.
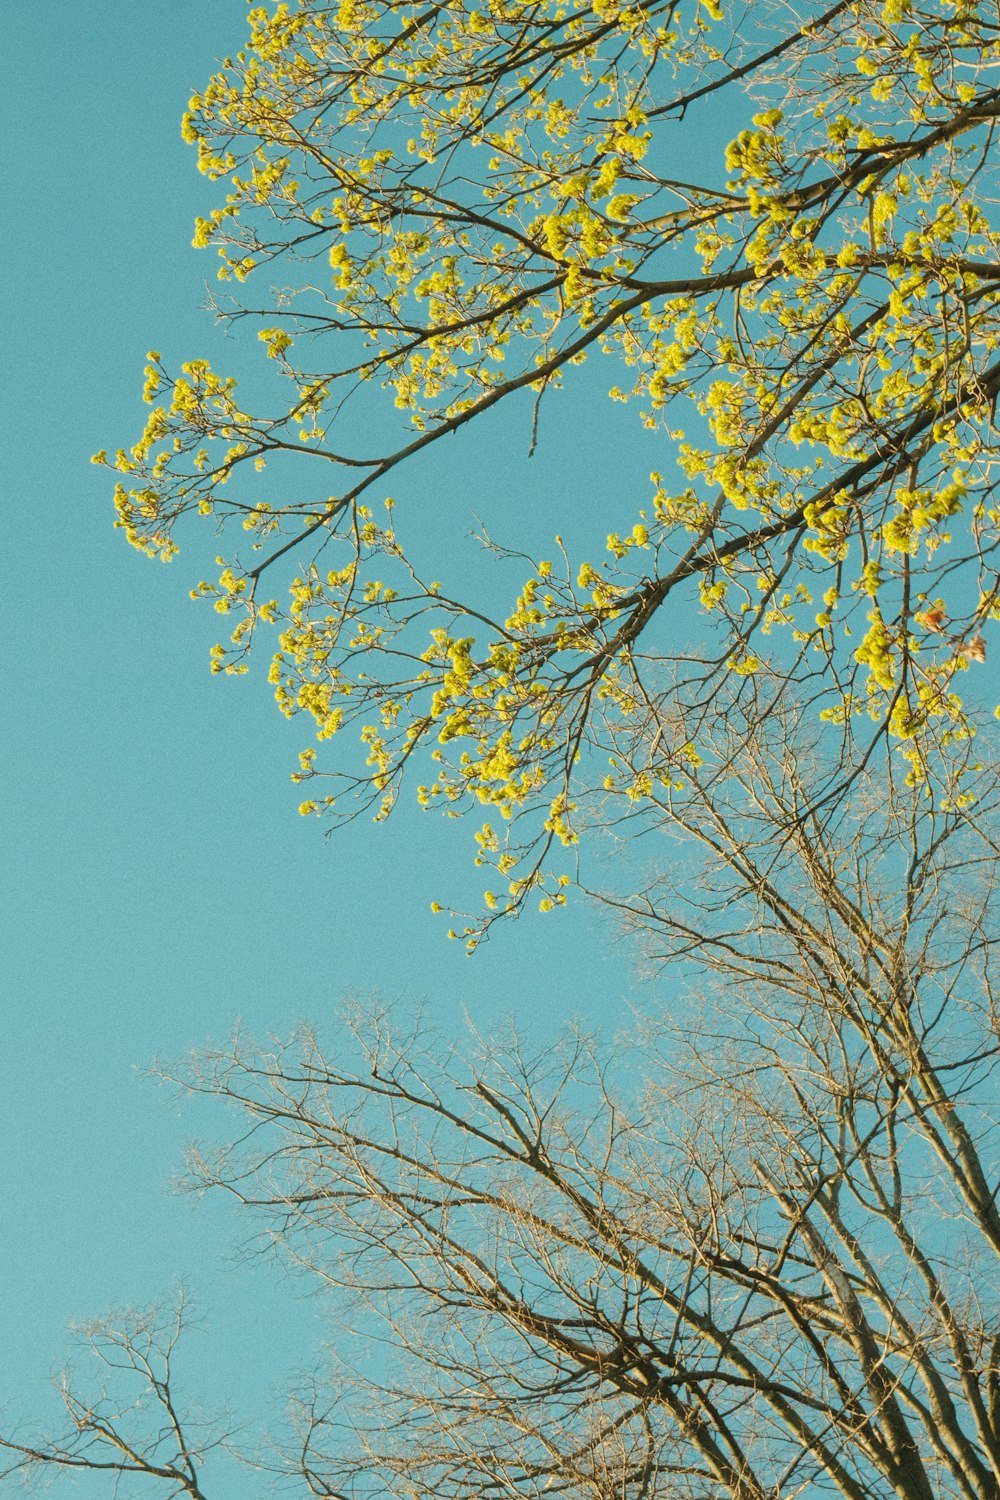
[752, 1253]
[128, 1427]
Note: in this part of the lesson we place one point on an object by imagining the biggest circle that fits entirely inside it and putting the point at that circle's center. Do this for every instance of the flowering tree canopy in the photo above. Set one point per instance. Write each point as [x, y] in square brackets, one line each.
[447, 204]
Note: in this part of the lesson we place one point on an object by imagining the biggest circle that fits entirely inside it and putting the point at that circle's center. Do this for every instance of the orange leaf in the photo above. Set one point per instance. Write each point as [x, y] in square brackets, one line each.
[934, 618]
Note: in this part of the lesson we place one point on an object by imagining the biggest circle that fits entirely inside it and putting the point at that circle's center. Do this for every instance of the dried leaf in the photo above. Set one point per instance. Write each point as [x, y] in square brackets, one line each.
[974, 650]
[934, 618]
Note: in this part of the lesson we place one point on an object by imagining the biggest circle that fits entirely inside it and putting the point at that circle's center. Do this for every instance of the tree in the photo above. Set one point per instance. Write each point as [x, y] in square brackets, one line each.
[144, 1434]
[490, 188]
[755, 1257]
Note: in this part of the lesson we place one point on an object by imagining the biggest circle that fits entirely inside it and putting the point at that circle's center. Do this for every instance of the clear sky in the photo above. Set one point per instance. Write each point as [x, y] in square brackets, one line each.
[157, 881]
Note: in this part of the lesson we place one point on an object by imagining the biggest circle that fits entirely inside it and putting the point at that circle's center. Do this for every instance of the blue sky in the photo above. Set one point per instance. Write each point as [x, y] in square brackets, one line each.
[157, 881]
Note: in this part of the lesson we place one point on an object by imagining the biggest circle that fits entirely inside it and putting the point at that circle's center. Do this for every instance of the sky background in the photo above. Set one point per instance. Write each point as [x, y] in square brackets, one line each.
[157, 880]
